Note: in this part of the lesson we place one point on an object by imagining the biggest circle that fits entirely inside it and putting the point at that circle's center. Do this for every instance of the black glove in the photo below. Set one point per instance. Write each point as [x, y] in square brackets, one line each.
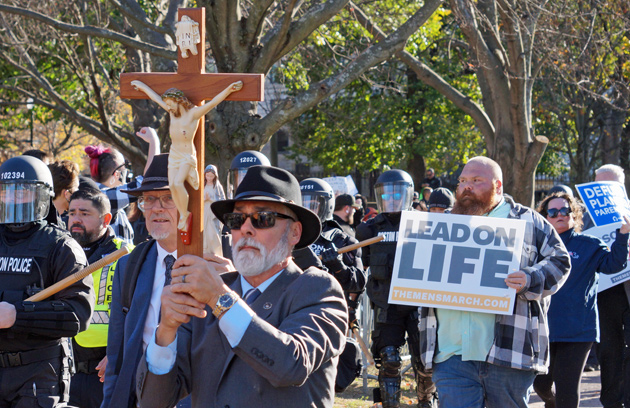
[332, 260]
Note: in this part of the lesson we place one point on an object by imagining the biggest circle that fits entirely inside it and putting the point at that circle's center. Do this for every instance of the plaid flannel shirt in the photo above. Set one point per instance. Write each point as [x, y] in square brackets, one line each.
[521, 340]
[119, 201]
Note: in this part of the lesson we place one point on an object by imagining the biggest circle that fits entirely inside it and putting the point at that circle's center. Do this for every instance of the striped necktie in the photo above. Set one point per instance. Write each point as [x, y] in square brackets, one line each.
[251, 295]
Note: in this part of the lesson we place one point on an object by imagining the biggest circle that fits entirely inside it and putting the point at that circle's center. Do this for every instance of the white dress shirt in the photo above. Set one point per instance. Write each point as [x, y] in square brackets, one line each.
[233, 324]
[153, 314]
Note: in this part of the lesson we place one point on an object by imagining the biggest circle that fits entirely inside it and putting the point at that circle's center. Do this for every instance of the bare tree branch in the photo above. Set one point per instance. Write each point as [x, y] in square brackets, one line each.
[298, 31]
[431, 78]
[291, 108]
[89, 30]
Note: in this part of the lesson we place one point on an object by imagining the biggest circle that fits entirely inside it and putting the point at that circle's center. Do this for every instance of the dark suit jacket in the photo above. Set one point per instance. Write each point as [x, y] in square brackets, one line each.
[124, 340]
[287, 356]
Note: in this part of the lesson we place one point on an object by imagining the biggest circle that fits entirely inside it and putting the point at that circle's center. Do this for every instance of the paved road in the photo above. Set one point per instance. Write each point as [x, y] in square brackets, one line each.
[589, 392]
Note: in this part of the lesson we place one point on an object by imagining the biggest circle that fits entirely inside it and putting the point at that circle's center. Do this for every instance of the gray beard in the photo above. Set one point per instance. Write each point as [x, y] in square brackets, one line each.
[159, 237]
[250, 263]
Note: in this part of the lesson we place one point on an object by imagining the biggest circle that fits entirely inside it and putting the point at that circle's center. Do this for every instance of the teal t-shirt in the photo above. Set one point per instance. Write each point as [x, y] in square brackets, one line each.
[467, 334]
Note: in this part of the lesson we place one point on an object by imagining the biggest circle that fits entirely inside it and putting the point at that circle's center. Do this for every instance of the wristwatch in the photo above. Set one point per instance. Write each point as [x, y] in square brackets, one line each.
[225, 302]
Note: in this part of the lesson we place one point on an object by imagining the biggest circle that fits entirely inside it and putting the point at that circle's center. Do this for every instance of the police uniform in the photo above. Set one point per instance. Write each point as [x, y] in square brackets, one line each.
[352, 276]
[34, 358]
[391, 322]
[90, 346]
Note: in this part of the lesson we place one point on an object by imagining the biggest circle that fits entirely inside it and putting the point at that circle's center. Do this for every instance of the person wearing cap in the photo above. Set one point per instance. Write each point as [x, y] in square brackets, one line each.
[264, 336]
[345, 207]
[441, 199]
[135, 303]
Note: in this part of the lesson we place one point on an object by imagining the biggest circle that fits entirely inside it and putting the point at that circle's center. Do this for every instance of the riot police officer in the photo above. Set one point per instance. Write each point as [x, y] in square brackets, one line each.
[318, 196]
[394, 193]
[239, 166]
[34, 358]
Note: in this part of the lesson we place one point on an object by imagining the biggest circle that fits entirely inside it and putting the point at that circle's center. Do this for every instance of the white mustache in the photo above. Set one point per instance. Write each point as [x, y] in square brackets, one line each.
[243, 242]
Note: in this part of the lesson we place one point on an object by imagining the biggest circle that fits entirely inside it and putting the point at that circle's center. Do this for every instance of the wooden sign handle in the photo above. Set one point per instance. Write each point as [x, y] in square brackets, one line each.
[79, 275]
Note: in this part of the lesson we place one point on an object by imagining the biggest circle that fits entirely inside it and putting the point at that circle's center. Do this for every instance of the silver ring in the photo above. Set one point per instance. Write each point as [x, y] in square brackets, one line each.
[183, 278]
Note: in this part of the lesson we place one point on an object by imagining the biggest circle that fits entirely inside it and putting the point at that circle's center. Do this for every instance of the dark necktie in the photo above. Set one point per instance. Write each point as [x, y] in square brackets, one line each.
[251, 295]
[169, 260]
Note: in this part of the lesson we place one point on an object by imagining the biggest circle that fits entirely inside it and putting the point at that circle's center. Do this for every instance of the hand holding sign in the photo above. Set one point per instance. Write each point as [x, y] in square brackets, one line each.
[606, 201]
[625, 227]
[458, 262]
[516, 280]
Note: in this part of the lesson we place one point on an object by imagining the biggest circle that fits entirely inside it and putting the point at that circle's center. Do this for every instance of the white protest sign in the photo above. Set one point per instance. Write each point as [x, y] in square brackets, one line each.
[342, 185]
[606, 201]
[456, 261]
[608, 233]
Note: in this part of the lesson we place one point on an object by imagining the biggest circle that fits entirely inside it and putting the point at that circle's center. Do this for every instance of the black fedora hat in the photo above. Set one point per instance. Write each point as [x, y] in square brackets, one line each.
[155, 178]
[272, 184]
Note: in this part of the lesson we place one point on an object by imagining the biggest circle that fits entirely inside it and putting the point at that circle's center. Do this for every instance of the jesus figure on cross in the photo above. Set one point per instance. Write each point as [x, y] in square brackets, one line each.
[182, 160]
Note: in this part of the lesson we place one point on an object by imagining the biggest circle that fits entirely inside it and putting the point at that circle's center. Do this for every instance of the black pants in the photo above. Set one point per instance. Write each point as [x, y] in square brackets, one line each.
[32, 385]
[86, 390]
[567, 361]
[391, 326]
[613, 351]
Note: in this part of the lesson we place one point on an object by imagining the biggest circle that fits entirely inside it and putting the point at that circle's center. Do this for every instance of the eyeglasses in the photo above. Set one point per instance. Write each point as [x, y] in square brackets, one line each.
[260, 219]
[553, 212]
[148, 202]
[125, 166]
[395, 196]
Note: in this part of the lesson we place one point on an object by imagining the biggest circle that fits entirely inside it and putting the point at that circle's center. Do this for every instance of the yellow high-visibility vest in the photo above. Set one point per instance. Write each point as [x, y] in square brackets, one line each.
[96, 334]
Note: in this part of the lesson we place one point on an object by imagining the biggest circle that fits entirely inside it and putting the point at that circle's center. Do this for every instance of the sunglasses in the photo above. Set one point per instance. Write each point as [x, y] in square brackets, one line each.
[260, 219]
[554, 212]
[395, 196]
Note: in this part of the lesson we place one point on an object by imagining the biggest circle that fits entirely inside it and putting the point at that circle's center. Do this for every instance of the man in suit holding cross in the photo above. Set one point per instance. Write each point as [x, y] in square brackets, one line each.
[271, 326]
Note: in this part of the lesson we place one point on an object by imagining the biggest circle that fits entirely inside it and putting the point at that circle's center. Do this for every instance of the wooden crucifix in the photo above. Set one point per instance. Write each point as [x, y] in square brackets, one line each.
[190, 84]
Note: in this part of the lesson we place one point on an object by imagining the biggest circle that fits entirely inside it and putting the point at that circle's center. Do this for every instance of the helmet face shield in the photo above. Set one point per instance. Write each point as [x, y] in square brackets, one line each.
[316, 203]
[235, 176]
[22, 202]
[393, 196]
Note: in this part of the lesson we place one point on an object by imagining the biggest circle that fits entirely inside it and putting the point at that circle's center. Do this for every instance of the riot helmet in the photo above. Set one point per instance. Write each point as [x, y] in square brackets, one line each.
[394, 191]
[26, 188]
[241, 163]
[319, 197]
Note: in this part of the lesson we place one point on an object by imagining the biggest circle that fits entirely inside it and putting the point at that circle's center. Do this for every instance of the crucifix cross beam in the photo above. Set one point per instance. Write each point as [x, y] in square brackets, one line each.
[197, 86]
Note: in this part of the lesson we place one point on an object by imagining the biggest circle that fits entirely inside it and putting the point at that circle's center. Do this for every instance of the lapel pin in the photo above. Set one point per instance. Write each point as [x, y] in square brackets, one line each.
[267, 306]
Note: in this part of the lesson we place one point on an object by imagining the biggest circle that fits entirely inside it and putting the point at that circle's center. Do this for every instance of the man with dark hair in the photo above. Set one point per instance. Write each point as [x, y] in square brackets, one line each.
[274, 330]
[345, 208]
[483, 359]
[39, 154]
[88, 221]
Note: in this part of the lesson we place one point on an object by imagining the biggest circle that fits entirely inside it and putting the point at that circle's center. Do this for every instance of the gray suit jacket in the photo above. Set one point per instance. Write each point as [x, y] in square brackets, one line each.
[286, 358]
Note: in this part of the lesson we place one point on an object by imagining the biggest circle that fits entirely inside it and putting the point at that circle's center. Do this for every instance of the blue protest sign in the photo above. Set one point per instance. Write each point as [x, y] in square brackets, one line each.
[606, 201]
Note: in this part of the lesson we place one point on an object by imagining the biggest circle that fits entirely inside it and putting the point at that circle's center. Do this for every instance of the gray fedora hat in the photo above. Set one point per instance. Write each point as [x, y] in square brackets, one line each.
[272, 184]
